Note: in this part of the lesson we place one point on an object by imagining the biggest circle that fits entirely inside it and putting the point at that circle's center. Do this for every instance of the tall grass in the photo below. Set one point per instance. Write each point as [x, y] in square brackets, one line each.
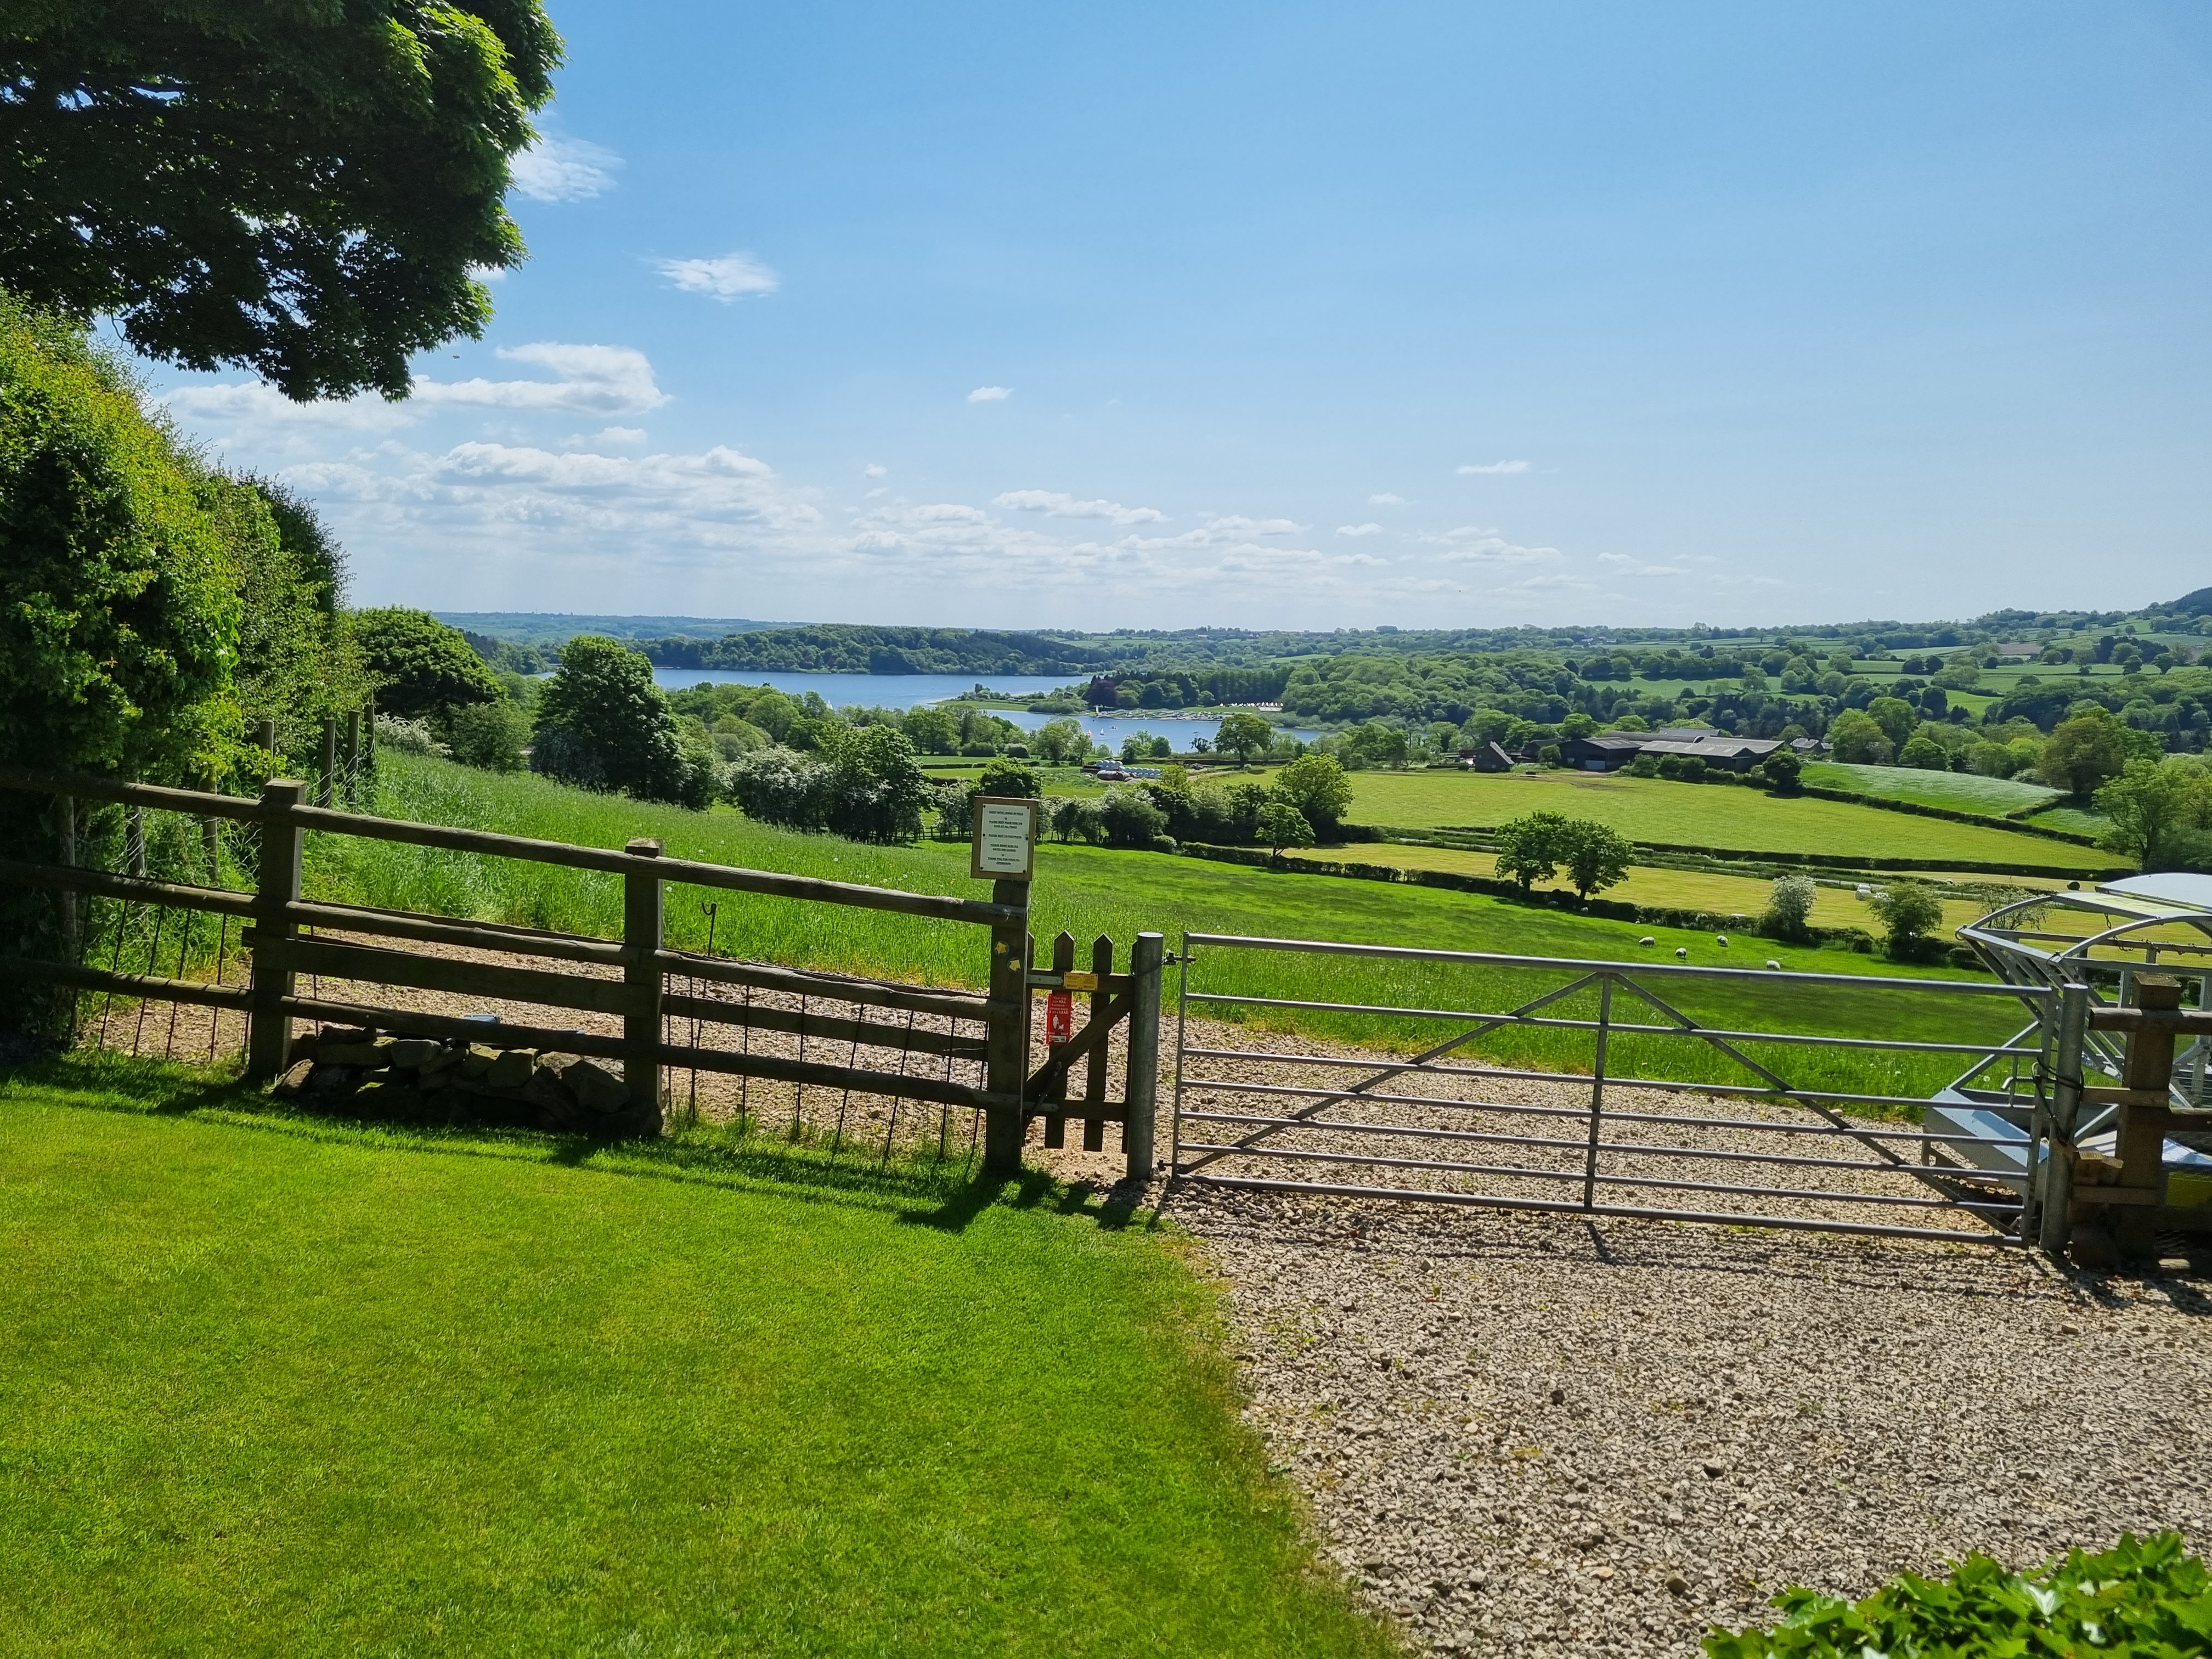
[1088, 891]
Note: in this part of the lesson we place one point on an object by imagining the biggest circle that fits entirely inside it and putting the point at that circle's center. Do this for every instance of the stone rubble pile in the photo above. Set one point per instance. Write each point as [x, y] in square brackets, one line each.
[380, 1075]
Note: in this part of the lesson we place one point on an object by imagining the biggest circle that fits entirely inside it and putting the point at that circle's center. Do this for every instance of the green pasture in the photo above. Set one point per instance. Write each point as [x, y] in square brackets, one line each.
[277, 1387]
[1725, 816]
[1960, 792]
[1090, 891]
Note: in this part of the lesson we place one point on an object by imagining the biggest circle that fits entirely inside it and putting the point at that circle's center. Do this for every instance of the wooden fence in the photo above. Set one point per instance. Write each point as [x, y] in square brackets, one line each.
[636, 980]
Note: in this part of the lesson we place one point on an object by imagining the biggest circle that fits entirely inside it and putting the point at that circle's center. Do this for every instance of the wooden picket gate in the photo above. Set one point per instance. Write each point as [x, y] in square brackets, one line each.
[639, 990]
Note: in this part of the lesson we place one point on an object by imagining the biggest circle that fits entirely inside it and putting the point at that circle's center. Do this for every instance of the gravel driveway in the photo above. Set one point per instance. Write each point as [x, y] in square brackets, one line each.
[1536, 1434]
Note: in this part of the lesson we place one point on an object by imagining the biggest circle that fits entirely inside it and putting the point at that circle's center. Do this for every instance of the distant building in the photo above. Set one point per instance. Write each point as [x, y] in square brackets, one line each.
[1734, 754]
[1608, 752]
[2020, 649]
[1486, 757]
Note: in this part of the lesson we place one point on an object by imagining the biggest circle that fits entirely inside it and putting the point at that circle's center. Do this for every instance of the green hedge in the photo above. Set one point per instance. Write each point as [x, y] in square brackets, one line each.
[2016, 824]
[2149, 1600]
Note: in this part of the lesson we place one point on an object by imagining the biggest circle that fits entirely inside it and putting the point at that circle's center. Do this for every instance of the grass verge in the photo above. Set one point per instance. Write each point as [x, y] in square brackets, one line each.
[277, 1386]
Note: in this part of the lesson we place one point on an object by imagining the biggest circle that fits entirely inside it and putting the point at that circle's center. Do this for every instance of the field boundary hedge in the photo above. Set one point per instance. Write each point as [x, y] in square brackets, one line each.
[2015, 826]
[1650, 915]
[1813, 860]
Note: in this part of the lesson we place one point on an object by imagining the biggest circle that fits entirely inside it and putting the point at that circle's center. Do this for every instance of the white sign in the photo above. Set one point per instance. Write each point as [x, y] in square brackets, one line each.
[1005, 836]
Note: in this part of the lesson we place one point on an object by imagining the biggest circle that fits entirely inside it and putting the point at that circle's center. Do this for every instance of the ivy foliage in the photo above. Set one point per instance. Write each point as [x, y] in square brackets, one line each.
[2145, 1599]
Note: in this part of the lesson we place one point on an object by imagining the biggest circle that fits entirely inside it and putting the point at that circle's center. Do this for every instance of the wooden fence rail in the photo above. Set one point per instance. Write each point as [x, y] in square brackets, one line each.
[628, 979]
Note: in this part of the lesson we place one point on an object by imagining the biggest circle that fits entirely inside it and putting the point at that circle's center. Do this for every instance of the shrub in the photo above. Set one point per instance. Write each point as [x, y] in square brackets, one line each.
[1643, 766]
[1782, 770]
[955, 805]
[1130, 819]
[1072, 817]
[1909, 911]
[408, 737]
[489, 735]
[1789, 908]
[1010, 778]
[2147, 1597]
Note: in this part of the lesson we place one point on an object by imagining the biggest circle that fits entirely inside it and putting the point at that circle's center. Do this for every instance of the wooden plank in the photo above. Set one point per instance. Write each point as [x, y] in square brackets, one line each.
[874, 992]
[371, 965]
[151, 988]
[219, 901]
[1054, 1091]
[441, 930]
[197, 802]
[2096, 1097]
[407, 1021]
[1094, 1082]
[685, 871]
[2194, 1022]
[827, 1028]
[1094, 1034]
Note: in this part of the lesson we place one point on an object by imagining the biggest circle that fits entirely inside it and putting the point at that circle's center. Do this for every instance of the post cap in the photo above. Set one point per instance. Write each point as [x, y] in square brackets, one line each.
[644, 847]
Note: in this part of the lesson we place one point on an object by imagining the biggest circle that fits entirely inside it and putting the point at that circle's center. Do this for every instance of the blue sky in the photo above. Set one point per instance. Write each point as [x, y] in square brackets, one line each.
[1439, 315]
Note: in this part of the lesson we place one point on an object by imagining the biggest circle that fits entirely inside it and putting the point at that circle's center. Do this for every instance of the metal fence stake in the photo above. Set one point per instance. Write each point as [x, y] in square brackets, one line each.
[2056, 1220]
[1597, 1091]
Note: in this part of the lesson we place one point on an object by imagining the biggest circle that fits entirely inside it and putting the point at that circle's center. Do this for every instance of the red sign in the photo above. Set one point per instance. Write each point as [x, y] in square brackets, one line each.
[1058, 1018]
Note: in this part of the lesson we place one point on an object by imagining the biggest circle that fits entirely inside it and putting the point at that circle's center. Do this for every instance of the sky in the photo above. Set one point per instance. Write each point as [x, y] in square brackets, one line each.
[1316, 316]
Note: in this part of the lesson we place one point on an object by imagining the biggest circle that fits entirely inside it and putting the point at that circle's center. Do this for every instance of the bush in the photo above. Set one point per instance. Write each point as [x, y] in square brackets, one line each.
[489, 735]
[1909, 911]
[1072, 818]
[1283, 825]
[1782, 770]
[1643, 766]
[2149, 1598]
[1130, 819]
[409, 738]
[1789, 908]
[1010, 779]
[955, 805]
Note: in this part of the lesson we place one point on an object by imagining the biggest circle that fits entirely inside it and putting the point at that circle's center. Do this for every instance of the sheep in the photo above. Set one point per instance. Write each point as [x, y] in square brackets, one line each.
[1720, 939]
[1773, 965]
[1647, 939]
[1681, 953]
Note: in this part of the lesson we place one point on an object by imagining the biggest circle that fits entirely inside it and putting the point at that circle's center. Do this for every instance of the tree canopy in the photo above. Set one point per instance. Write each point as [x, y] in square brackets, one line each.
[299, 187]
[423, 667]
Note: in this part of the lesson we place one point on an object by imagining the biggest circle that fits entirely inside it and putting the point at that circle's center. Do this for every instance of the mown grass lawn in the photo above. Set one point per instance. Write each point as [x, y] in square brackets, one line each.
[1722, 816]
[1960, 792]
[279, 1387]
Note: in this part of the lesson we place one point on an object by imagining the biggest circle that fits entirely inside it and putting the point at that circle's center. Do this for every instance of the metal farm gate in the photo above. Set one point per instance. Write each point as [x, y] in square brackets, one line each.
[1676, 1092]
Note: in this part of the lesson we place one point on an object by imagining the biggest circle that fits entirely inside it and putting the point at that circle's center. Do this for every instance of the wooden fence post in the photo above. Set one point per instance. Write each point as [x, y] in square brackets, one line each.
[1007, 1052]
[1056, 1123]
[1147, 960]
[1094, 1077]
[642, 940]
[269, 1028]
[72, 934]
[324, 792]
[2139, 1138]
[353, 761]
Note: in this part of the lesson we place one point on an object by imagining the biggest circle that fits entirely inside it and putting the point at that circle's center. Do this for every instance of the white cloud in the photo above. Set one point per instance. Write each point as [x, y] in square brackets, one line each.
[872, 470]
[1474, 544]
[990, 394]
[1493, 469]
[555, 169]
[1359, 530]
[619, 437]
[730, 277]
[1620, 564]
[1386, 499]
[597, 379]
[256, 403]
[1058, 505]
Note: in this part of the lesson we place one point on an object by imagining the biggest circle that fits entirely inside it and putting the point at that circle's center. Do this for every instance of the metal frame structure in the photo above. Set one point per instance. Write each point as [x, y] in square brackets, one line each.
[2128, 931]
[1252, 1129]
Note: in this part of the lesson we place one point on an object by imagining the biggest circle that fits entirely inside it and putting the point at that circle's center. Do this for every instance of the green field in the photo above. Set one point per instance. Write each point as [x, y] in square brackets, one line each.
[1961, 792]
[1725, 816]
[1089, 891]
[275, 1387]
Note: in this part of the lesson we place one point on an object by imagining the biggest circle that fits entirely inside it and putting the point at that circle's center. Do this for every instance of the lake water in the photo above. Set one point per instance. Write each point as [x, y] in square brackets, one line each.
[907, 690]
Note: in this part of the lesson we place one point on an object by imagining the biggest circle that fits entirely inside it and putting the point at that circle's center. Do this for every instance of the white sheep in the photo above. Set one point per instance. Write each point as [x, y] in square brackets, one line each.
[1720, 939]
[1682, 952]
[1647, 939]
[1773, 964]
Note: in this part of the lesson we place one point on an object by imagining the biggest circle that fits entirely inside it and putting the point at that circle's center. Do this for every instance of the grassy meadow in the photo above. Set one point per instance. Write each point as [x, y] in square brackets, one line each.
[1089, 891]
[1959, 791]
[276, 1385]
[1719, 816]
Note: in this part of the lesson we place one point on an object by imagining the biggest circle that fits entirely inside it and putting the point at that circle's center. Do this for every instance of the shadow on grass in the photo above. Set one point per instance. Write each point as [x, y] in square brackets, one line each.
[947, 1195]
